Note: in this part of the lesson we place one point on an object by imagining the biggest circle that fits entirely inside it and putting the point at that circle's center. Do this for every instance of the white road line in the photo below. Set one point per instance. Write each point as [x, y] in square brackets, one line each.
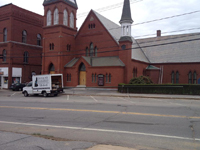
[13, 94]
[94, 98]
[67, 97]
[101, 130]
[126, 100]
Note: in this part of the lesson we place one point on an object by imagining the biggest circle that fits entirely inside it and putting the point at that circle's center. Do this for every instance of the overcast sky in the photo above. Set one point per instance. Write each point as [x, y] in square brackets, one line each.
[142, 11]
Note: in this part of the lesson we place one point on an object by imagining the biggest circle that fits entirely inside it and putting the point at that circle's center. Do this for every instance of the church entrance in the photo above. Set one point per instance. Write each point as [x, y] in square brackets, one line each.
[82, 74]
[51, 69]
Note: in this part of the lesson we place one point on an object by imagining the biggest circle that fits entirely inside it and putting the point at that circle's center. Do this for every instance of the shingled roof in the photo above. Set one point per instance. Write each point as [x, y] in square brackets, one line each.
[183, 48]
[113, 28]
[98, 61]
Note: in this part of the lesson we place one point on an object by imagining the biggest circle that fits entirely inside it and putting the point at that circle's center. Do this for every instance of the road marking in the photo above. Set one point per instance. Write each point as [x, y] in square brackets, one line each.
[67, 97]
[94, 99]
[13, 94]
[126, 100]
[101, 111]
[101, 130]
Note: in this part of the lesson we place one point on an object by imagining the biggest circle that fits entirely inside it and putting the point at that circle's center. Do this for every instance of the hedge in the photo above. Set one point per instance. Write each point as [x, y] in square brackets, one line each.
[185, 89]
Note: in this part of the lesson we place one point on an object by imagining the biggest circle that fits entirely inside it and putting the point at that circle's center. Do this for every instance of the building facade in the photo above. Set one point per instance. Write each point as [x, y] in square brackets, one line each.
[100, 53]
[20, 44]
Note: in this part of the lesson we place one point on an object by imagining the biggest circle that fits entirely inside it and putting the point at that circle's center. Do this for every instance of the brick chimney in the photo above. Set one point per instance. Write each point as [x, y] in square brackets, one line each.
[158, 33]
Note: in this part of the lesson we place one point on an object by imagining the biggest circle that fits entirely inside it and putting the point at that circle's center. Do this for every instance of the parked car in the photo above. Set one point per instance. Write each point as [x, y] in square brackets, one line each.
[17, 86]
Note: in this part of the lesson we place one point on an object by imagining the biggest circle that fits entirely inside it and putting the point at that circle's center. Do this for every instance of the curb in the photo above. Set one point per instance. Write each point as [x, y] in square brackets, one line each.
[132, 96]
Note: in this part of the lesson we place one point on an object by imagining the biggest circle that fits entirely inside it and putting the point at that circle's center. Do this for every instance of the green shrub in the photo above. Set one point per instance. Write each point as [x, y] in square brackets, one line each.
[141, 80]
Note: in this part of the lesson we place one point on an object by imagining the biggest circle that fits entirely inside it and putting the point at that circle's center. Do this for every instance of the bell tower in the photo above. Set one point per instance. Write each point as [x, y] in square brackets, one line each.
[126, 40]
[59, 32]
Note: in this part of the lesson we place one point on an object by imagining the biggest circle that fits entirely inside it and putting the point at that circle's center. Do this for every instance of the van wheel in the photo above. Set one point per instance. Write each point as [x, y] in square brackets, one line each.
[20, 89]
[44, 94]
[26, 94]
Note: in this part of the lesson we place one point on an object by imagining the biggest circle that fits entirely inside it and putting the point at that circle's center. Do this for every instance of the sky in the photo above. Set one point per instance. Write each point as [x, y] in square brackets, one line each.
[142, 11]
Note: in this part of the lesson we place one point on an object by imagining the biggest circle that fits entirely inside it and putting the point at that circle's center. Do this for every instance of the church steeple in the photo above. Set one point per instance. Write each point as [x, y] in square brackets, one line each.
[126, 21]
[126, 14]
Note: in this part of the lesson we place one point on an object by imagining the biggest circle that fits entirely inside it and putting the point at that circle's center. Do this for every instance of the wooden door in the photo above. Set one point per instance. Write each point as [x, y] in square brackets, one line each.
[82, 78]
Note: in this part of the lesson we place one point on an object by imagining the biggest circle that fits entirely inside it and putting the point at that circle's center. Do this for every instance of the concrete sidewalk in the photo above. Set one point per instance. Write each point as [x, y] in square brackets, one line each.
[16, 141]
[115, 93]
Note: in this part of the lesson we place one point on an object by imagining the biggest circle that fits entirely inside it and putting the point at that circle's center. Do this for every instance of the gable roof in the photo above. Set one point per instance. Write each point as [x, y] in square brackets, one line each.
[172, 49]
[113, 28]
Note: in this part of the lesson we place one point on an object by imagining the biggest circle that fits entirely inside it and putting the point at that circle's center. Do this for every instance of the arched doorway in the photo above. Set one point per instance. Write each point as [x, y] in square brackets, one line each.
[82, 74]
[51, 69]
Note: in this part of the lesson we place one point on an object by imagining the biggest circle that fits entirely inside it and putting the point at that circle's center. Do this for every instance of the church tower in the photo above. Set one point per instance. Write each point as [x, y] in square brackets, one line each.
[126, 21]
[59, 32]
[126, 41]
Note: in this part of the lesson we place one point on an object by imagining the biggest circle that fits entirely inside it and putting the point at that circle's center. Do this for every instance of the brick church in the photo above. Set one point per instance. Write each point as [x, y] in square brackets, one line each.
[100, 53]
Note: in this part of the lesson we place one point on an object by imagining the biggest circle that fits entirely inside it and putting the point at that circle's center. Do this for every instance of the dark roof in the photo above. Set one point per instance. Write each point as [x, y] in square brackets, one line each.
[98, 61]
[70, 2]
[151, 67]
[126, 14]
[125, 38]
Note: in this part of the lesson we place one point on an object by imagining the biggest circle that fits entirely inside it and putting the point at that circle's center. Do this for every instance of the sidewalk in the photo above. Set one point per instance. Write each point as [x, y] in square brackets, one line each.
[15, 141]
[115, 93]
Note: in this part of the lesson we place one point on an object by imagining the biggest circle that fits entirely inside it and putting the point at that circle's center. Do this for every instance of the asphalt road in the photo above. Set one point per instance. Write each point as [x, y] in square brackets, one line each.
[130, 122]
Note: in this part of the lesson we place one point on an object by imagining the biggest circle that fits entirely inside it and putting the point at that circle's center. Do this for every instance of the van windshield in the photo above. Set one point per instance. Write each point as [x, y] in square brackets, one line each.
[29, 84]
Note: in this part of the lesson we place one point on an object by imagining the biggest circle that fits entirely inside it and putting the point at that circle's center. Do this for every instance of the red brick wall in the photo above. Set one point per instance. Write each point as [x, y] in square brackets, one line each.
[182, 68]
[117, 75]
[60, 36]
[99, 36]
[16, 20]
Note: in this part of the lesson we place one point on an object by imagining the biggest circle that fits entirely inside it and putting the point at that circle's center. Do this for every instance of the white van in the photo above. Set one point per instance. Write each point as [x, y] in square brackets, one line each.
[51, 84]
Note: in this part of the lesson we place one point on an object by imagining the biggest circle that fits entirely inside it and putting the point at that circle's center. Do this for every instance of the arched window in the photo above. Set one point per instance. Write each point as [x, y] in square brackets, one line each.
[4, 55]
[91, 49]
[106, 78]
[124, 30]
[5, 34]
[190, 77]
[92, 77]
[95, 51]
[72, 20]
[134, 72]
[52, 46]
[49, 18]
[93, 25]
[25, 57]
[95, 78]
[69, 77]
[109, 78]
[24, 36]
[65, 18]
[39, 39]
[89, 26]
[56, 16]
[195, 77]
[172, 77]
[177, 77]
[87, 52]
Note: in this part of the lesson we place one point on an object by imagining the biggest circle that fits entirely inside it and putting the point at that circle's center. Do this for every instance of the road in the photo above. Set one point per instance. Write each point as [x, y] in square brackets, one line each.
[141, 123]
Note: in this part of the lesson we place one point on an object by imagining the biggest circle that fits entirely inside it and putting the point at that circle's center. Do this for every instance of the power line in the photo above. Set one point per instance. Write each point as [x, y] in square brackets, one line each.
[150, 41]
[108, 51]
[106, 8]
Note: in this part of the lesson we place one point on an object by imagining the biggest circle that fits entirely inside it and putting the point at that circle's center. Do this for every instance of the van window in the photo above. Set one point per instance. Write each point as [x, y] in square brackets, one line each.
[29, 84]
